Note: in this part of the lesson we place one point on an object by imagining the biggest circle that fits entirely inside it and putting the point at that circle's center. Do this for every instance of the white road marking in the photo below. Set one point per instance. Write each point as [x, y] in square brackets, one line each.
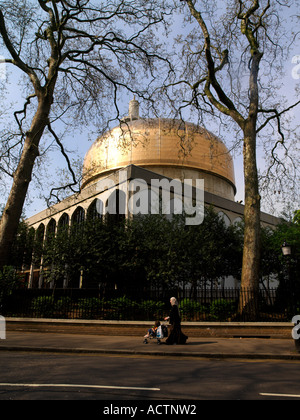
[79, 386]
[279, 395]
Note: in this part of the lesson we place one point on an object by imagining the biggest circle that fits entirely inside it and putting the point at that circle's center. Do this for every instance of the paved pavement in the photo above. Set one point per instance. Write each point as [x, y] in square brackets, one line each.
[253, 348]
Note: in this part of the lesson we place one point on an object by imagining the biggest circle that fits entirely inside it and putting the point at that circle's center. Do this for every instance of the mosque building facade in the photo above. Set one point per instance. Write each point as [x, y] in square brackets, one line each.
[134, 156]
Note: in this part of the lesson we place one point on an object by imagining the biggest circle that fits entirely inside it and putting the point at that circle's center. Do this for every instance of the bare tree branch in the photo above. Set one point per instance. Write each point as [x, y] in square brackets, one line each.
[74, 182]
[78, 55]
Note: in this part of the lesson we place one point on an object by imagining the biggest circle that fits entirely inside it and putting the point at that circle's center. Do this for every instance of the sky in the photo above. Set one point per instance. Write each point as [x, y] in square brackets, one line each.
[80, 142]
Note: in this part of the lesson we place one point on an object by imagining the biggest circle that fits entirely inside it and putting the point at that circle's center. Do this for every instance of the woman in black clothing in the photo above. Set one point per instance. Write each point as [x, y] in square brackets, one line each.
[176, 336]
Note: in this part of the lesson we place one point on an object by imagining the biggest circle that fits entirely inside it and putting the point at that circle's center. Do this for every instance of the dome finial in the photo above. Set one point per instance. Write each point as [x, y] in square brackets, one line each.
[134, 109]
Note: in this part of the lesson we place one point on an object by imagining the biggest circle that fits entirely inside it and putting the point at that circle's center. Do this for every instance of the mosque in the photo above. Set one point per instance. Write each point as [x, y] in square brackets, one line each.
[145, 150]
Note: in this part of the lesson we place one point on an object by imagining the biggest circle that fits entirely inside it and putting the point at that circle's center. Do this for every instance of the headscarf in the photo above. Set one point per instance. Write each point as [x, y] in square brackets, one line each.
[173, 301]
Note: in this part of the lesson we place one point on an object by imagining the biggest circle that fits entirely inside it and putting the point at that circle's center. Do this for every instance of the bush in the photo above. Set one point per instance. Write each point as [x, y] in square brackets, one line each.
[190, 309]
[62, 307]
[9, 281]
[121, 308]
[90, 308]
[43, 306]
[222, 309]
[151, 310]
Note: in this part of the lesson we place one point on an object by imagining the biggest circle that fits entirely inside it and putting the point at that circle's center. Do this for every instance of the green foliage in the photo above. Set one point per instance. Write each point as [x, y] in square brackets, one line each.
[48, 307]
[119, 308]
[296, 218]
[43, 306]
[22, 246]
[152, 251]
[9, 281]
[272, 260]
[149, 251]
[190, 309]
[218, 310]
[168, 253]
[90, 308]
[222, 309]
[151, 309]
[61, 307]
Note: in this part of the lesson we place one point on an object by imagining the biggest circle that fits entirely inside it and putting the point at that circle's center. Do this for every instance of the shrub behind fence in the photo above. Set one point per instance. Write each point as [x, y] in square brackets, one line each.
[195, 305]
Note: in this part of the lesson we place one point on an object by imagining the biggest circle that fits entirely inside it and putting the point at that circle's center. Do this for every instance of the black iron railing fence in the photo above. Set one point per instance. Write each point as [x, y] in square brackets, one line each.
[195, 305]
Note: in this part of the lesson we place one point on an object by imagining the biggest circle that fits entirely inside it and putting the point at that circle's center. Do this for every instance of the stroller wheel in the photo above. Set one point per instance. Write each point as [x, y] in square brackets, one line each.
[145, 341]
[158, 342]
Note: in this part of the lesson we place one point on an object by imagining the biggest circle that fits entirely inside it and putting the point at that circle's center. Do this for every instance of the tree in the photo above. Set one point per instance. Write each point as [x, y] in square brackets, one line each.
[148, 251]
[77, 56]
[285, 268]
[297, 217]
[246, 39]
[9, 281]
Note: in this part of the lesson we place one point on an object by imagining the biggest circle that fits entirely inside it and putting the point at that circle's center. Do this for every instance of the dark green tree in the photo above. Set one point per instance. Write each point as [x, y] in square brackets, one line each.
[145, 251]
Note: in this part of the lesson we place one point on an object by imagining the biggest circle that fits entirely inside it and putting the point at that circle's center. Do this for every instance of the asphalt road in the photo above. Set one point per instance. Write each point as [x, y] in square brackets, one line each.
[37, 376]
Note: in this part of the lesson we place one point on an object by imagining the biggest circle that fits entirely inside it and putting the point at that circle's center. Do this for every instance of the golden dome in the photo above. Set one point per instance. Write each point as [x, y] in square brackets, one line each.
[156, 144]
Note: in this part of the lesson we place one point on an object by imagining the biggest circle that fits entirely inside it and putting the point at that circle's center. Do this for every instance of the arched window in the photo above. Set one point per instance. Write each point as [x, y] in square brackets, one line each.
[238, 221]
[115, 208]
[63, 223]
[51, 229]
[95, 210]
[225, 218]
[78, 217]
[40, 233]
[29, 246]
[38, 244]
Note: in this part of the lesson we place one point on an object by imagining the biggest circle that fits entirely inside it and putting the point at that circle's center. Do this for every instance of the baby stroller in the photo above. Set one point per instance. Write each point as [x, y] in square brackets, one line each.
[157, 333]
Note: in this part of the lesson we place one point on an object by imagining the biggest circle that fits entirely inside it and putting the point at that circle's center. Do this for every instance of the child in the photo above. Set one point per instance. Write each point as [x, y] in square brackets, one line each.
[152, 331]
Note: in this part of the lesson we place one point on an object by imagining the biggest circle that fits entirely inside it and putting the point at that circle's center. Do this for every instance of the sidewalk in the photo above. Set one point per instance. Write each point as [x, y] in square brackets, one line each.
[250, 348]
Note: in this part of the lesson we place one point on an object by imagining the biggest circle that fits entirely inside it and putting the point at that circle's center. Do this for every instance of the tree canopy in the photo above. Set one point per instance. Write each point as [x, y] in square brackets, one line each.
[145, 251]
[77, 59]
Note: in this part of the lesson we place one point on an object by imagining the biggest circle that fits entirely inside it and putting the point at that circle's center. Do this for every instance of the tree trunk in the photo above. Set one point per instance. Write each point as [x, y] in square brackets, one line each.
[251, 255]
[11, 216]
